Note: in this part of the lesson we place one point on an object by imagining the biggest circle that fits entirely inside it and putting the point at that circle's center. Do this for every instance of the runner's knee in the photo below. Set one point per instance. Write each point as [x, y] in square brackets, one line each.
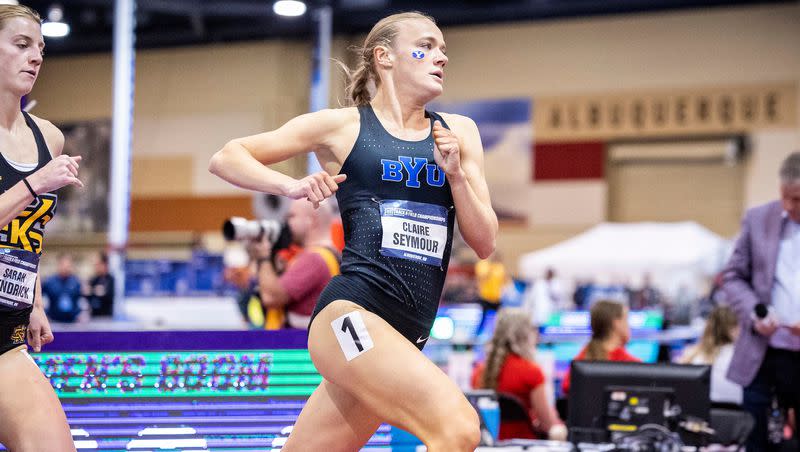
[459, 432]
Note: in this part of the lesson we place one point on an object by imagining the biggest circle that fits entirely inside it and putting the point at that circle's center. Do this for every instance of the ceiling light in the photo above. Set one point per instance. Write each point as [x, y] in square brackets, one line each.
[291, 8]
[55, 27]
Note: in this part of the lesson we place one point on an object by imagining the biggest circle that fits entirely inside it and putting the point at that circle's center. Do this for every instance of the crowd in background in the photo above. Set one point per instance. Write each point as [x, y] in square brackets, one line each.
[511, 368]
[489, 283]
[751, 337]
[277, 292]
[69, 299]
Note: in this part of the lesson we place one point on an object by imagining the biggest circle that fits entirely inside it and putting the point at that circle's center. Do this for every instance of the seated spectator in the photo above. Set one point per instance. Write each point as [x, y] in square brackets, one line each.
[99, 292]
[647, 297]
[510, 369]
[614, 292]
[63, 291]
[610, 334]
[580, 298]
[716, 348]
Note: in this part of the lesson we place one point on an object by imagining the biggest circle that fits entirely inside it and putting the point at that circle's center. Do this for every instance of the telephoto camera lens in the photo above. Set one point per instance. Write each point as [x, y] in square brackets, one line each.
[238, 228]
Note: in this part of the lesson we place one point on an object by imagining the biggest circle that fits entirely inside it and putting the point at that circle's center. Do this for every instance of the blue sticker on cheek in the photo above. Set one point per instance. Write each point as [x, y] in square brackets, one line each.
[418, 54]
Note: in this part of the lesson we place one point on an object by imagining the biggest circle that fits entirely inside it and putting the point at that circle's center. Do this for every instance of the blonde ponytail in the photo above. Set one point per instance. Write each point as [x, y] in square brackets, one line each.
[512, 334]
[357, 90]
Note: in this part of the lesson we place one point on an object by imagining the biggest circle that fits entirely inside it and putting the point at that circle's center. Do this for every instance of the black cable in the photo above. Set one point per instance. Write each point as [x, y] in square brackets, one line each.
[650, 437]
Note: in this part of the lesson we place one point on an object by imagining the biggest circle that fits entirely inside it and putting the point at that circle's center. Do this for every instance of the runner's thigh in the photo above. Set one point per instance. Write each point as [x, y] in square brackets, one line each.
[32, 417]
[385, 371]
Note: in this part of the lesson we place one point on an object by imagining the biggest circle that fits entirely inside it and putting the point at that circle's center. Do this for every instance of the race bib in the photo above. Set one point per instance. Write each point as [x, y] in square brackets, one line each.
[352, 334]
[18, 272]
[413, 230]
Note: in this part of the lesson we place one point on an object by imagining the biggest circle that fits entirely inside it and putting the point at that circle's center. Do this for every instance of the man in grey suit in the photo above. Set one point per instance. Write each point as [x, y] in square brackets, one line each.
[762, 284]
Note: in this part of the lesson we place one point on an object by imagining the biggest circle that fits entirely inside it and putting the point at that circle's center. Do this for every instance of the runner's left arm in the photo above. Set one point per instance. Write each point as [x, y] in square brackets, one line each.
[460, 154]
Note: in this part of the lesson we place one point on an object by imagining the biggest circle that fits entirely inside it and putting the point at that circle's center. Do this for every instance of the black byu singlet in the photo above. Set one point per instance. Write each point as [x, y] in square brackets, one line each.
[398, 214]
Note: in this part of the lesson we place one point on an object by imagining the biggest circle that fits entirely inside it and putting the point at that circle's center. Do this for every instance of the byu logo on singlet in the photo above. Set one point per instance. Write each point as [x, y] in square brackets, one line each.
[410, 170]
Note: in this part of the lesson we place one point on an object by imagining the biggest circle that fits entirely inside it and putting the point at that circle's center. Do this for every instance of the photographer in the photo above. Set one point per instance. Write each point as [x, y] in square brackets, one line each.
[297, 288]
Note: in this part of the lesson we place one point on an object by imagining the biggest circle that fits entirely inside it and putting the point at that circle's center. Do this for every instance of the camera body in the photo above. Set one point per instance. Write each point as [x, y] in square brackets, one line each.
[238, 228]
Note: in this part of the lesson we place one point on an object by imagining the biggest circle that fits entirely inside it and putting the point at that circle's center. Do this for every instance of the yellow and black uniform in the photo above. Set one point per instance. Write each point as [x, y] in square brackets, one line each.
[20, 248]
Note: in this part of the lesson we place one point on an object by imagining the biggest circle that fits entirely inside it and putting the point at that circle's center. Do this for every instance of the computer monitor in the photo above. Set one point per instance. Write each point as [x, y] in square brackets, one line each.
[607, 399]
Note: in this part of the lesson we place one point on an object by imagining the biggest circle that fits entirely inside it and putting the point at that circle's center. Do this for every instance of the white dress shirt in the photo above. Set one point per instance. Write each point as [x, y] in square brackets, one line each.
[785, 306]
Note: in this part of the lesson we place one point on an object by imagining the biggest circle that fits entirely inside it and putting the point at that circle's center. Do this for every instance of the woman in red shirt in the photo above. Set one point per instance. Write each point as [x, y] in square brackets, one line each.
[510, 369]
[610, 334]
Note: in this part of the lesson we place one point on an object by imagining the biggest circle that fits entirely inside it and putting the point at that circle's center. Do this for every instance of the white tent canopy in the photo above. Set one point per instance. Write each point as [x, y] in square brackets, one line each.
[674, 254]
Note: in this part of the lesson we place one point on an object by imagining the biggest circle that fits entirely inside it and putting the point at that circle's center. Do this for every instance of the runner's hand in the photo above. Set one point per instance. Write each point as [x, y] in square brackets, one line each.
[60, 171]
[39, 332]
[447, 150]
[316, 187]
